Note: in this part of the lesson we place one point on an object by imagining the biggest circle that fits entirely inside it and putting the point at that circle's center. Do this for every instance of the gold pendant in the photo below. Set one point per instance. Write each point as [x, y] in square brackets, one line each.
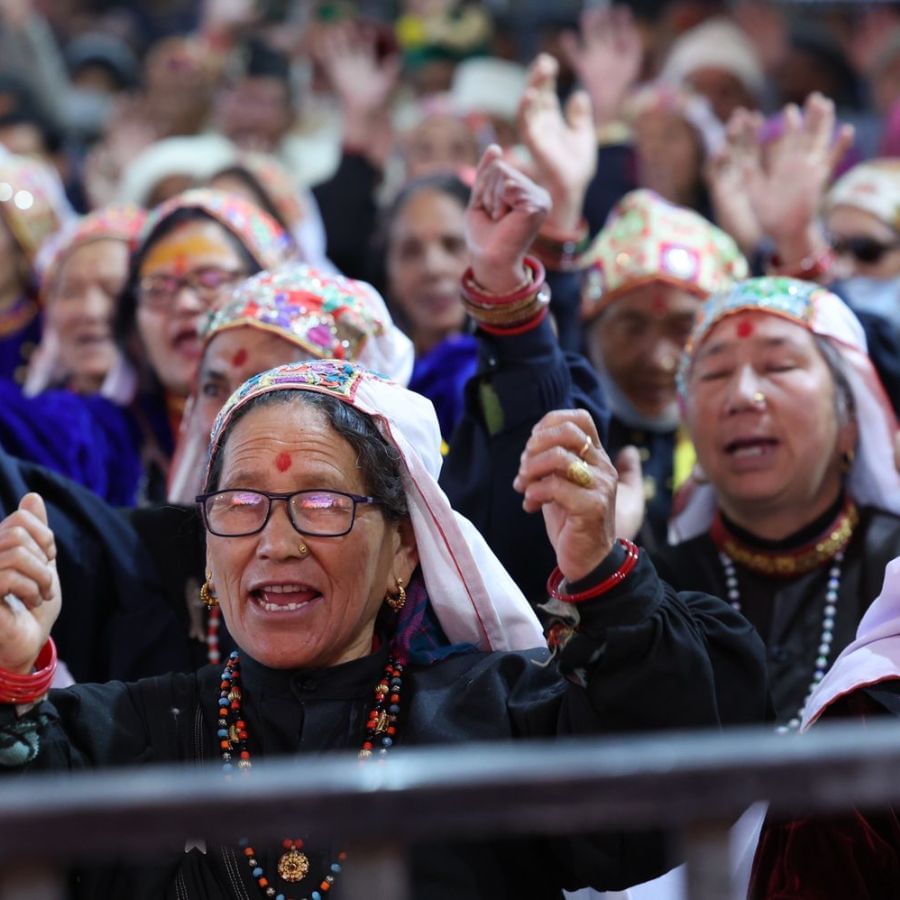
[293, 866]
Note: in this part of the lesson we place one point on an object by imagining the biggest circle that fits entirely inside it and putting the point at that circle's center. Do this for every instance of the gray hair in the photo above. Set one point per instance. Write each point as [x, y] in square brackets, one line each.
[379, 462]
[844, 401]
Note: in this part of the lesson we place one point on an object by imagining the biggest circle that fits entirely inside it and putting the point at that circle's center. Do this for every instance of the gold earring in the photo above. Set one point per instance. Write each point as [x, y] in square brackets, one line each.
[396, 601]
[303, 550]
[208, 593]
[847, 460]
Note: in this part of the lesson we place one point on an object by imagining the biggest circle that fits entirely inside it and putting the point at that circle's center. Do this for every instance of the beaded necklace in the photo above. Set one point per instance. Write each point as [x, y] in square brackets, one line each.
[826, 638]
[381, 730]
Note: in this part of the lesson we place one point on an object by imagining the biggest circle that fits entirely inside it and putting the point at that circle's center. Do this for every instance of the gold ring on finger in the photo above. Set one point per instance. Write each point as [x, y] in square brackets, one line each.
[588, 444]
[578, 473]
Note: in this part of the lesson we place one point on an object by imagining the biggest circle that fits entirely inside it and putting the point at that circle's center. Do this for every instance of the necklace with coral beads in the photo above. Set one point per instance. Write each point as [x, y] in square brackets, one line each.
[381, 731]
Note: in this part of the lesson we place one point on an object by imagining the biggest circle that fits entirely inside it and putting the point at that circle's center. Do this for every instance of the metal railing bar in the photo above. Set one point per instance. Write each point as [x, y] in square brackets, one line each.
[663, 781]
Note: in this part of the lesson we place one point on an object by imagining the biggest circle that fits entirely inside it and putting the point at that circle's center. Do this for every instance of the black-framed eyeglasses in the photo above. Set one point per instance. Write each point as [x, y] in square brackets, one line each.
[316, 513]
[159, 291]
[863, 249]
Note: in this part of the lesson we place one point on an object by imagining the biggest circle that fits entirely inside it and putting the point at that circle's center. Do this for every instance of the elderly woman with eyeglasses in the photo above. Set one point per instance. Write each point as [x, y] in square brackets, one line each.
[369, 615]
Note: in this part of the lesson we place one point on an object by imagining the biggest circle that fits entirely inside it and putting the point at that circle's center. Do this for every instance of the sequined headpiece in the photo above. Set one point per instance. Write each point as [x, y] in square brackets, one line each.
[647, 239]
[264, 238]
[329, 316]
[27, 204]
[117, 223]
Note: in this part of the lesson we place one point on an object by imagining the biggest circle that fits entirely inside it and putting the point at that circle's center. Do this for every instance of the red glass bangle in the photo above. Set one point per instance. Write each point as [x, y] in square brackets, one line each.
[617, 577]
[472, 292]
[527, 325]
[18, 689]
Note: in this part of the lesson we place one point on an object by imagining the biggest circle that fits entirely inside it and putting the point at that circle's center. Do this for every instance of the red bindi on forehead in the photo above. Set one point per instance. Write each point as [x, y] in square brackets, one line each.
[283, 462]
[659, 303]
[239, 358]
[744, 328]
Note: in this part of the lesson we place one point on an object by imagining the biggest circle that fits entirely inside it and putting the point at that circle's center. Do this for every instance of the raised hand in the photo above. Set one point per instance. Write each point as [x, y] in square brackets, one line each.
[782, 186]
[505, 212]
[787, 192]
[607, 58]
[29, 586]
[580, 515]
[727, 175]
[563, 147]
[362, 82]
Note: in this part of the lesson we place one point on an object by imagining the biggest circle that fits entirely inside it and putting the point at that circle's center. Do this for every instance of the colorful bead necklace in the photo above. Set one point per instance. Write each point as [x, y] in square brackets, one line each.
[825, 639]
[381, 730]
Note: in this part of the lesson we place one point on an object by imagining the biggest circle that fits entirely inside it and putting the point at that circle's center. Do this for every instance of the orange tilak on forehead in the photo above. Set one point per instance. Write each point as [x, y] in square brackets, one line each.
[283, 462]
[177, 252]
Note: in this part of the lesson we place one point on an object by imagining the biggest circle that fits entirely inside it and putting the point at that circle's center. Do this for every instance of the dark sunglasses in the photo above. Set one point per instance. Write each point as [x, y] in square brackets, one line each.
[862, 249]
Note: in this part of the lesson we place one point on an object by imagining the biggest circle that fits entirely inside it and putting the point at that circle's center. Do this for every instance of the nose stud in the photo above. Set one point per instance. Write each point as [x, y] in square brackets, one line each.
[303, 550]
[759, 400]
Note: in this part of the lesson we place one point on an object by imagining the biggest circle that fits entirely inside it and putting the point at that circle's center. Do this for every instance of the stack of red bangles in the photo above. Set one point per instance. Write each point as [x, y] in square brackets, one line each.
[598, 590]
[19, 689]
[512, 313]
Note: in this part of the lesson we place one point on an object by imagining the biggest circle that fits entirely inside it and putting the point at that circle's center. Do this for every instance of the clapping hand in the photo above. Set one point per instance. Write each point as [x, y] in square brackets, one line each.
[566, 474]
[781, 187]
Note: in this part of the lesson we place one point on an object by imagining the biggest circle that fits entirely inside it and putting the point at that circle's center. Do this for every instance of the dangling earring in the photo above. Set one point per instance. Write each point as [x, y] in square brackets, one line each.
[207, 593]
[396, 601]
[847, 460]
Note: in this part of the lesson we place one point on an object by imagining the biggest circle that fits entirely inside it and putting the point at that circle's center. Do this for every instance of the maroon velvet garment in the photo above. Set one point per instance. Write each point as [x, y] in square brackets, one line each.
[837, 858]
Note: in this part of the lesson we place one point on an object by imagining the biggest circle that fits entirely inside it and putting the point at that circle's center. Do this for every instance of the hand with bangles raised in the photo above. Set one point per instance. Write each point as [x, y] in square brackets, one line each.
[30, 595]
[504, 214]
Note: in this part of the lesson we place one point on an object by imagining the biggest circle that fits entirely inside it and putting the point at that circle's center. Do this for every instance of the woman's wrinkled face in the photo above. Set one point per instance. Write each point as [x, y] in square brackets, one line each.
[81, 307]
[638, 340]
[285, 608]
[848, 227]
[426, 259]
[761, 413]
[169, 322]
[232, 357]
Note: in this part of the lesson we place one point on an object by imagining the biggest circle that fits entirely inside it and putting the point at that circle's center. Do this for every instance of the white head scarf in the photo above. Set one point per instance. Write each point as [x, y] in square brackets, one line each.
[873, 479]
[326, 316]
[471, 593]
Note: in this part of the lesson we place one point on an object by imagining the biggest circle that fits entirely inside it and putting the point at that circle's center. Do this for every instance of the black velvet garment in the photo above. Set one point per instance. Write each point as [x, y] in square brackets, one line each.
[788, 612]
[855, 854]
[653, 659]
